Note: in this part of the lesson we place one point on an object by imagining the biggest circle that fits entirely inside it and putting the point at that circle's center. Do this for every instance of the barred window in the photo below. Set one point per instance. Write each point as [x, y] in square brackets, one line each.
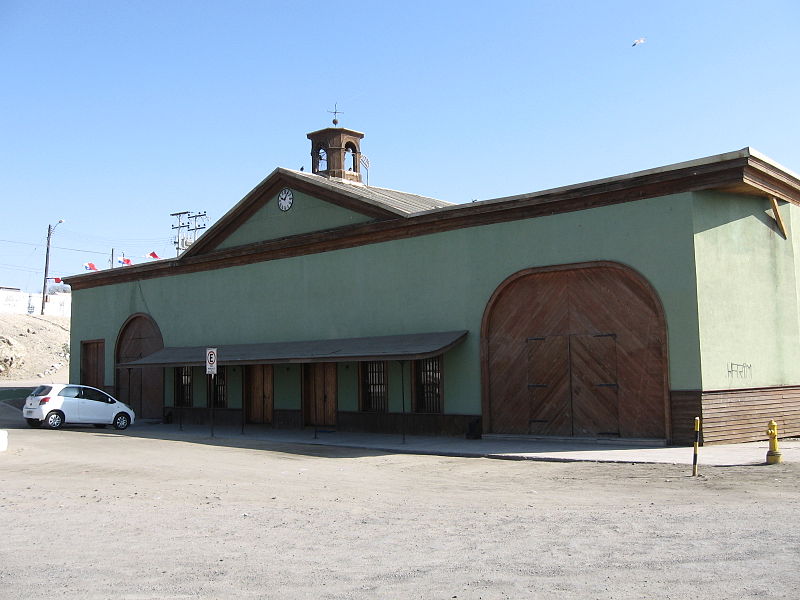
[374, 389]
[183, 387]
[428, 385]
[218, 391]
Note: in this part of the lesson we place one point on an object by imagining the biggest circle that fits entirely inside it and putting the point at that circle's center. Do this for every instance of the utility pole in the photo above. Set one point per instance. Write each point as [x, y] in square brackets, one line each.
[187, 220]
[50, 230]
[194, 227]
[181, 225]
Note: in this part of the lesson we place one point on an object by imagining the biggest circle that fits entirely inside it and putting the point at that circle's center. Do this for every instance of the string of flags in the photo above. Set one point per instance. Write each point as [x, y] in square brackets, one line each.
[123, 261]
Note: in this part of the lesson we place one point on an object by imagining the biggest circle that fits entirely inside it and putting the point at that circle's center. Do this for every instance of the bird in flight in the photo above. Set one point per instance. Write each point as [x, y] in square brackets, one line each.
[637, 42]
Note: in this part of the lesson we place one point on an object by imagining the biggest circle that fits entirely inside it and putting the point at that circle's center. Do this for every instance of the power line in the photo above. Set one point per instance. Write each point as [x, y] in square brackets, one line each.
[23, 243]
[18, 268]
[59, 247]
[106, 240]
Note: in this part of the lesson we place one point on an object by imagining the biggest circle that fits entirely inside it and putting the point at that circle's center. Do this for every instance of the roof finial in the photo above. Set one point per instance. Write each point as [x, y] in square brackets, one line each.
[335, 112]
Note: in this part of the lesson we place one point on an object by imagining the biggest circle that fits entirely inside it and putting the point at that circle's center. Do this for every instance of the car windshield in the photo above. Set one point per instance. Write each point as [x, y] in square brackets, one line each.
[42, 390]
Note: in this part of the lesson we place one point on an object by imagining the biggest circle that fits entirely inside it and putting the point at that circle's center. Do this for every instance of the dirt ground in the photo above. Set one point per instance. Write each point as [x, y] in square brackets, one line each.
[34, 347]
[88, 513]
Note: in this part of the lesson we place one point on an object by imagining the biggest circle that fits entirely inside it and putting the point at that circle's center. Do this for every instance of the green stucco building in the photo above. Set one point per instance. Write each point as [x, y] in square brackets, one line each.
[622, 307]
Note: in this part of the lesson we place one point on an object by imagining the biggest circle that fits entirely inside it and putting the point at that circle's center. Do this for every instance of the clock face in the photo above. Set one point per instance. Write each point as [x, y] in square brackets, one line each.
[285, 199]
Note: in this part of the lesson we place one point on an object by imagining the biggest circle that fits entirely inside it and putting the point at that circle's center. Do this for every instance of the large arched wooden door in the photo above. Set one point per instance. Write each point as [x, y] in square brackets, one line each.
[142, 389]
[575, 350]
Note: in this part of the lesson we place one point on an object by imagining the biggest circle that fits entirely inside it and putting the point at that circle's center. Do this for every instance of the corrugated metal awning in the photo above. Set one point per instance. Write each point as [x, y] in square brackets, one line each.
[390, 347]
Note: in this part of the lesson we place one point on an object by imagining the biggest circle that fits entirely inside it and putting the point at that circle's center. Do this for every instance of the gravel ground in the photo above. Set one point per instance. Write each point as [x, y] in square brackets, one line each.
[89, 513]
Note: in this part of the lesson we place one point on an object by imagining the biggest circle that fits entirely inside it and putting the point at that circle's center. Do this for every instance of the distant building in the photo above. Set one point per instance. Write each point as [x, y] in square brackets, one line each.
[15, 301]
[617, 308]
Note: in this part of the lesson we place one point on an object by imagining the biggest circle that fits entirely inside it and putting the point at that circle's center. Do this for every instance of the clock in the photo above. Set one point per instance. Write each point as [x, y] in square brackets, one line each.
[285, 199]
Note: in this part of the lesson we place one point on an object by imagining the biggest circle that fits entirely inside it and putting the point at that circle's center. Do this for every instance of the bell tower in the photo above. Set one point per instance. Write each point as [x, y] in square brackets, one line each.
[336, 153]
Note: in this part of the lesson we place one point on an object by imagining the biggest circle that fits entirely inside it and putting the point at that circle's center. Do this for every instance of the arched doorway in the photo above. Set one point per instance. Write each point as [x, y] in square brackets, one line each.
[575, 350]
[142, 389]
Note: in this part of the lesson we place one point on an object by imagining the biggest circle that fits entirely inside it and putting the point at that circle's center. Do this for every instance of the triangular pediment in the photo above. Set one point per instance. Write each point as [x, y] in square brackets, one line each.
[288, 204]
[288, 213]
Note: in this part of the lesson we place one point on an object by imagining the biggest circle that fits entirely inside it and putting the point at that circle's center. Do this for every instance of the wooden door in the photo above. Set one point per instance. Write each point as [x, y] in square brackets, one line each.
[142, 389]
[550, 406]
[130, 392]
[93, 363]
[319, 394]
[573, 386]
[259, 393]
[511, 323]
[595, 390]
[578, 302]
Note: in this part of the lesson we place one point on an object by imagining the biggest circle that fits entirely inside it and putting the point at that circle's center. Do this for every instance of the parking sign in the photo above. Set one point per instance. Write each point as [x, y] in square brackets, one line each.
[211, 361]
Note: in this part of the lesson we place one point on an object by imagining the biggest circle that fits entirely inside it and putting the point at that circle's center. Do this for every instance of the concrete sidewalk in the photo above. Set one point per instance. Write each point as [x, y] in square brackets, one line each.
[520, 448]
[490, 447]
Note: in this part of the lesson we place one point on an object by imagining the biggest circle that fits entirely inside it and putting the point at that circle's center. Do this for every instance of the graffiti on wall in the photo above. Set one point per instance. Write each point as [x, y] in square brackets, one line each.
[740, 370]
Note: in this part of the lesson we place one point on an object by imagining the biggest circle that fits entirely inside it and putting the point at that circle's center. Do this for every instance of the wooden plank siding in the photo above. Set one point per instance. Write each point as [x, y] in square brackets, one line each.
[685, 405]
[319, 394]
[259, 393]
[731, 416]
[93, 363]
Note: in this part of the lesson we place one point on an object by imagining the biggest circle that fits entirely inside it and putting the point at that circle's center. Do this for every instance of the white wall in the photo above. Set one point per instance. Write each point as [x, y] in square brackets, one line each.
[18, 302]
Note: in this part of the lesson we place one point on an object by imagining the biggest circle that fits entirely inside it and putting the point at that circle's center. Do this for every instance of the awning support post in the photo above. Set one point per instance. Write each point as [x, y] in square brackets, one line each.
[129, 389]
[403, 394]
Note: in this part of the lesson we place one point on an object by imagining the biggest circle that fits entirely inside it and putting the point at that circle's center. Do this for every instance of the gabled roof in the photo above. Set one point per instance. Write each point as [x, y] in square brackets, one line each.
[395, 215]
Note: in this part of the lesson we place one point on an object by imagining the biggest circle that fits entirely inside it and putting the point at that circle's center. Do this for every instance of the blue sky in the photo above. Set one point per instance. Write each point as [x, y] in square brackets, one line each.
[115, 114]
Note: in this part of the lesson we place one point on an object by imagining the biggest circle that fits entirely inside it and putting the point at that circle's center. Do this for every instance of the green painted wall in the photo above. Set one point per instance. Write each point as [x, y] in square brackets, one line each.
[307, 214]
[169, 387]
[347, 386]
[747, 293]
[430, 283]
[235, 384]
[287, 386]
[199, 387]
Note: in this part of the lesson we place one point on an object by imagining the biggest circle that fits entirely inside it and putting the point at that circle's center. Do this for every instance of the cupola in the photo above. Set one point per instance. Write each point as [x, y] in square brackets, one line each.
[336, 153]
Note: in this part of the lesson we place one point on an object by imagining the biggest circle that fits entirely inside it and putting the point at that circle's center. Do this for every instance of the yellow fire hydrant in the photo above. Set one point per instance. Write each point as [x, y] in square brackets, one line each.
[773, 455]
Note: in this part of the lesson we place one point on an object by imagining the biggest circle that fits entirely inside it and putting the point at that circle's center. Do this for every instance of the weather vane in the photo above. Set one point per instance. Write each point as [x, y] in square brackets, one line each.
[335, 112]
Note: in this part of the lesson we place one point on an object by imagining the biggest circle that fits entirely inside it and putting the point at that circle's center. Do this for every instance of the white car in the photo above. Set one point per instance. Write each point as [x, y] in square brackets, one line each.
[57, 404]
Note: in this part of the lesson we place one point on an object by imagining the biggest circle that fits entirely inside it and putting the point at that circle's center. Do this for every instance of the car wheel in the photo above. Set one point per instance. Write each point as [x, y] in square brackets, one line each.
[121, 421]
[34, 423]
[54, 420]
[100, 425]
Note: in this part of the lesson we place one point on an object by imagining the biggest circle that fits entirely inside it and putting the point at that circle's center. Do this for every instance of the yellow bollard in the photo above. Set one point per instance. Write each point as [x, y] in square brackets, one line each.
[696, 444]
[774, 454]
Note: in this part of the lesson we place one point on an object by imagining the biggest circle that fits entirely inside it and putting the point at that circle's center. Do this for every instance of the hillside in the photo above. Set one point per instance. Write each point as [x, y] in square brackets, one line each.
[34, 347]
